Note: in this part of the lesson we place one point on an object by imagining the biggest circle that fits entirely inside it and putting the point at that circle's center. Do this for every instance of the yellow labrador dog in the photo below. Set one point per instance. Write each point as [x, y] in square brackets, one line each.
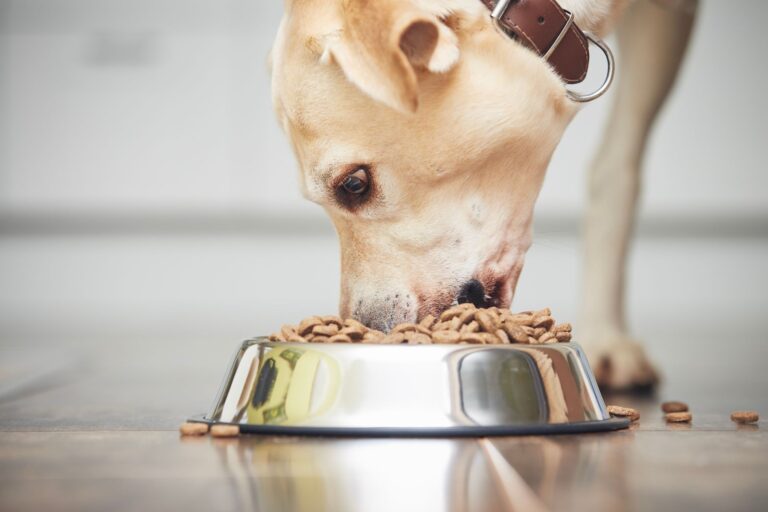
[425, 132]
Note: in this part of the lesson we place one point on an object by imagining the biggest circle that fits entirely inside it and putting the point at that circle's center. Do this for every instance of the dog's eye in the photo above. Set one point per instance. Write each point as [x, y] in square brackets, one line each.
[355, 188]
[356, 182]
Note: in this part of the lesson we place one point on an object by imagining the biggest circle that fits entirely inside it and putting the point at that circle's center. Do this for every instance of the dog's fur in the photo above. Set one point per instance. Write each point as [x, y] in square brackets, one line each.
[457, 125]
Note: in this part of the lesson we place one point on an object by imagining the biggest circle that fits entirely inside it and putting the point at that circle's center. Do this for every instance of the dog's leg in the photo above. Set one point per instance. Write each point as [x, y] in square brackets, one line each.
[652, 37]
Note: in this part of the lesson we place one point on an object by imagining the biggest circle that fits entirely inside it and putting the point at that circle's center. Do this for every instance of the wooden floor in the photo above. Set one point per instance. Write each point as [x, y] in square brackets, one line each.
[96, 375]
[99, 434]
[713, 467]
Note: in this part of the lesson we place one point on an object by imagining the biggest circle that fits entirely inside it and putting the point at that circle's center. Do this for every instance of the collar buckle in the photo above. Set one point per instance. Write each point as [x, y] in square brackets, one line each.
[500, 10]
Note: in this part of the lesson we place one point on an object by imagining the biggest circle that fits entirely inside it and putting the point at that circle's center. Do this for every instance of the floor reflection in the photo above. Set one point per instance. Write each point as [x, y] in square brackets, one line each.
[297, 474]
[456, 475]
[560, 469]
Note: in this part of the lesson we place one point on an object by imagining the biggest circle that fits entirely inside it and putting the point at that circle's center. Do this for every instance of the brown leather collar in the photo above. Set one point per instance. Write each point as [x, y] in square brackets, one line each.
[547, 29]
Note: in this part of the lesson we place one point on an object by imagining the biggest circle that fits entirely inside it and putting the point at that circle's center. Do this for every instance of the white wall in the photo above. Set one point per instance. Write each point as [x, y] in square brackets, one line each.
[163, 105]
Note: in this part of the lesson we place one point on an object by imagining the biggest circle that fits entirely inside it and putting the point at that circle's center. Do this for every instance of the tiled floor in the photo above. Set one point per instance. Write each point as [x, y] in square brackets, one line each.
[107, 343]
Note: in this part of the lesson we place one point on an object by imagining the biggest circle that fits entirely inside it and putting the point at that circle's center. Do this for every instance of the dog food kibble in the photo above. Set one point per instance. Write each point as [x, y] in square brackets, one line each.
[674, 406]
[678, 417]
[225, 431]
[745, 417]
[463, 323]
[191, 428]
[623, 412]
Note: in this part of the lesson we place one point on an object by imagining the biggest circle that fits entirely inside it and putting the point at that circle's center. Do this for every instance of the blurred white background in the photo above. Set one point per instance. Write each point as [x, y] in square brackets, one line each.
[147, 194]
[131, 108]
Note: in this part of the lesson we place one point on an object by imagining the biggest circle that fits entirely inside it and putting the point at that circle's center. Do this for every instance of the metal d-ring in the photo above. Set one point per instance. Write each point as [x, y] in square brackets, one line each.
[497, 13]
[584, 98]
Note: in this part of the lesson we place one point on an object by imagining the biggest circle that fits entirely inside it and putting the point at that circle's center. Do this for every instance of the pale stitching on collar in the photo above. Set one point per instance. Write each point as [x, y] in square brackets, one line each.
[573, 29]
[521, 30]
[586, 52]
[526, 36]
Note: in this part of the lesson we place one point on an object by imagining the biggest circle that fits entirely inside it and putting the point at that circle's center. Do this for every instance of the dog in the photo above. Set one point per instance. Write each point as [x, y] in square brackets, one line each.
[425, 133]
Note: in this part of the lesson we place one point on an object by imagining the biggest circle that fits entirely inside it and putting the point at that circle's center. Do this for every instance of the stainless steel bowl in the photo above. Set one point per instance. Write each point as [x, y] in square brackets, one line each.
[410, 390]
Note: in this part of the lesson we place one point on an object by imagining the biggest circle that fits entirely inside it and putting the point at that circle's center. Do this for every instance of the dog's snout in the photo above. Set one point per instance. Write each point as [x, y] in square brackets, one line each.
[473, 291]
[385, 311]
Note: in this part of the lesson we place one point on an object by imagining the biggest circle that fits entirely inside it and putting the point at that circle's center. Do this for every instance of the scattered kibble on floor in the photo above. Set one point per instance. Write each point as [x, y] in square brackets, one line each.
[191, 428]
[674, 406]
[624, 412]
[225, 431]
[678, 417]
[744, 417]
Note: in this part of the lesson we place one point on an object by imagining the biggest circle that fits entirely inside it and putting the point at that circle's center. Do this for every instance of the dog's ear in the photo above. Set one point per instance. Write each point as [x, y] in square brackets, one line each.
[384, 42]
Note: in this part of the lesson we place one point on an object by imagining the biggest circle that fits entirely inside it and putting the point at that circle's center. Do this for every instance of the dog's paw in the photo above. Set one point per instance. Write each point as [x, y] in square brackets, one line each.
[620, 364]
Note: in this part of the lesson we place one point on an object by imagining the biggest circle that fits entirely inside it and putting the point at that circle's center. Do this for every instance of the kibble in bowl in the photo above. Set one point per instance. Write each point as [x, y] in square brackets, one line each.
[461, 324]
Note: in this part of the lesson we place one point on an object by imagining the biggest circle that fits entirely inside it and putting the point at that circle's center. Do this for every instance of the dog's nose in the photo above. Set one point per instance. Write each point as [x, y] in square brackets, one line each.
[474, 292]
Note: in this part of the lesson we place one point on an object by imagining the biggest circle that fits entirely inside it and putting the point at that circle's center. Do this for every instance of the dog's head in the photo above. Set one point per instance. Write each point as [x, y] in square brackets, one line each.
[425, 135]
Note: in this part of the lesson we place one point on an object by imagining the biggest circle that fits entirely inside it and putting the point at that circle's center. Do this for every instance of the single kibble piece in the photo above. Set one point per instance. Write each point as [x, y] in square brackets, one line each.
[445, 337]
[522, 319]
[674, 406]
[547, 337]
[333, 320]
[325, 330]
[406, 327]
[678, 417]
[417, 338]
[354, 333]
[467, 316]
[392, 338]
[485, 321]
[225, 431]
[306, 325]
[472, 337]
[448, 314]
[287, 331]
[543, 321]
[514, 332]
[440, 326]
[428, 321]
[502, 336]
[745, 416]
[192, 428]
[623, 412]
[373, 337]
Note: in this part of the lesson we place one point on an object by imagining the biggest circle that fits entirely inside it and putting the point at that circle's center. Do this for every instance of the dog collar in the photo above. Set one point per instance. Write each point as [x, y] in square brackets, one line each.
[546, 28]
